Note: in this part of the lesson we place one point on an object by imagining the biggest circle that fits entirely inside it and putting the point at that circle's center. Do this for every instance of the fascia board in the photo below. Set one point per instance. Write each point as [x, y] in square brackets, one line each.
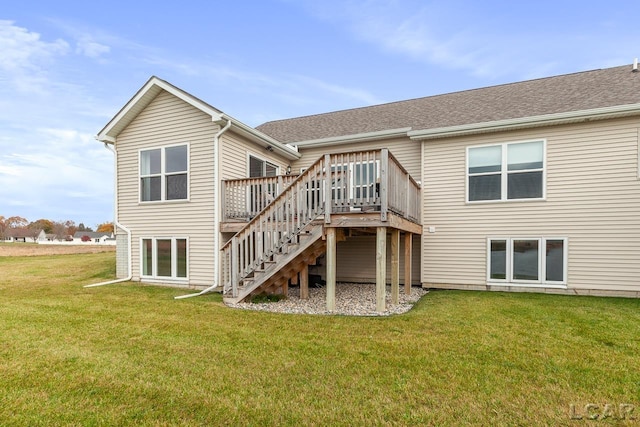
[357, 137]
[154, 83]
[260, 138]
[526, 122]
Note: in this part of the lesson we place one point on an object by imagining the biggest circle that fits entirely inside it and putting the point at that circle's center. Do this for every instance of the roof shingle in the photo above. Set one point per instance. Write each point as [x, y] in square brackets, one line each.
[565, 93]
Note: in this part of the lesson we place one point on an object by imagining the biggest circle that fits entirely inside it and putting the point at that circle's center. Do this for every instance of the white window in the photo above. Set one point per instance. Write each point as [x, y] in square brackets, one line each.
[355, 181]
[510, 171]
[164, 258]
[527, 260]
[261, 193]
[259, 168]
[164, 174]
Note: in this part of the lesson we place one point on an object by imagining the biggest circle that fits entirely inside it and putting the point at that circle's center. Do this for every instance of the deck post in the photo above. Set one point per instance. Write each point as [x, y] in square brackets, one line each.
[328, 193]
[381, 268]
[384, 184]
[408, 242]
[331, 269]
[234, 266]
[395, 266]
[223, 202]
[304, 282]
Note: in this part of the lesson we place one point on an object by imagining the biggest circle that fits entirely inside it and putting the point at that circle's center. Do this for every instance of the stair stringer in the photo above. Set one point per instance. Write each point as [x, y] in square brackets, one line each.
[310, 245]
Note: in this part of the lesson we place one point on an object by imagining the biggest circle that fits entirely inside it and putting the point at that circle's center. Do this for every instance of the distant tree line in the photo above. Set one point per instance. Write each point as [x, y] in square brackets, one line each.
[60, 229]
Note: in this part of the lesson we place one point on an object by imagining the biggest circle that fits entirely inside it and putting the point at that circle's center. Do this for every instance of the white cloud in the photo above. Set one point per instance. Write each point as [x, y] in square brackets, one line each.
[472, 37]
[292, 90]
[66, 175]
[88, 47]
[24, 58]
[21, 49]
[359, 95]
[425, 32]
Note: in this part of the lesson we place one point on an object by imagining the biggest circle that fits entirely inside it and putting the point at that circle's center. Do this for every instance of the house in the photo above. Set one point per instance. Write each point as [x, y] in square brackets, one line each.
[93, 237]
[530, 186]
[24, 235]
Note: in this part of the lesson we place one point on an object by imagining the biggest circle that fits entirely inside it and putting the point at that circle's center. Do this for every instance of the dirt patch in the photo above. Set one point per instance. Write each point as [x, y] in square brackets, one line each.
[33, 249]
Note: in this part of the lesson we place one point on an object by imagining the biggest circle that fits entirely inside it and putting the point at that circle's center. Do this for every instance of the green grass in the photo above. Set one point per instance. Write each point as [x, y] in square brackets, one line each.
[131, 355]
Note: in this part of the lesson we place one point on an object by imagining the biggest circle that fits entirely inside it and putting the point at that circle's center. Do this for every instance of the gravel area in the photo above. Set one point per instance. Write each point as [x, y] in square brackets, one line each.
[352, 299]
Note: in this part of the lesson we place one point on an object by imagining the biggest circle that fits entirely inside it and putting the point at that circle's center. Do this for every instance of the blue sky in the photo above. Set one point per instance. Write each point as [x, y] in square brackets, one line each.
[67, 67]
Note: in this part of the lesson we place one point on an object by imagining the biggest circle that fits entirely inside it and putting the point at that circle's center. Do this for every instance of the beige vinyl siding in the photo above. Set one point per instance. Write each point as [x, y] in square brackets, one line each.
[235, 153]
[357, 260]
[405, 150]
[593, 199]
[168, 120]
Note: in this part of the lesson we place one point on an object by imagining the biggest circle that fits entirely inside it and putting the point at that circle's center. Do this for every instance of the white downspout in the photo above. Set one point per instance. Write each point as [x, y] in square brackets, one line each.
[216, 211]
[117, 224]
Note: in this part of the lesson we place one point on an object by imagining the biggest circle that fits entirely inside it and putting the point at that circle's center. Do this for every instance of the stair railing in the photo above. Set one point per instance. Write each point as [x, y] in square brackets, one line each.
[275, 226]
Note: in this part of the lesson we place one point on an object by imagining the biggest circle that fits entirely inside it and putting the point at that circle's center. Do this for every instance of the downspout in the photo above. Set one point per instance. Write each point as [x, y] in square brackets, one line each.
[216, 212]
[117, 224]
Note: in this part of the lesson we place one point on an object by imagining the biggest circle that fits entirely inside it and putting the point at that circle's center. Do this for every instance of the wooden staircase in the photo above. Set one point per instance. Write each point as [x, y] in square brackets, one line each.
[279, 241]
[287, 235]
[274, 273]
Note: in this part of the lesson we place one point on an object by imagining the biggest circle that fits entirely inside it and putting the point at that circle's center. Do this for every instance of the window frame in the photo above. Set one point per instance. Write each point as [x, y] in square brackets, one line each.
[264, 166]
[351, 177]
[174, 278]
[164, 174]
[542, 262]
[505, 173]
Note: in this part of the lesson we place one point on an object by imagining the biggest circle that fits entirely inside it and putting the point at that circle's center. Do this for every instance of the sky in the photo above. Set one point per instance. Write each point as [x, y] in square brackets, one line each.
[67, 67]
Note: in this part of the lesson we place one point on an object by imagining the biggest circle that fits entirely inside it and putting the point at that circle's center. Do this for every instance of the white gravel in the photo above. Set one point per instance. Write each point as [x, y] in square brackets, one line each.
[352, 299]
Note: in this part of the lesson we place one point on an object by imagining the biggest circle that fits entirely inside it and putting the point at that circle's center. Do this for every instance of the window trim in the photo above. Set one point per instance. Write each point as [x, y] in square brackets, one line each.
[154, 257]
[542, 263]
[264, 159]
[373, 178]
[163, 174]
[504, 172]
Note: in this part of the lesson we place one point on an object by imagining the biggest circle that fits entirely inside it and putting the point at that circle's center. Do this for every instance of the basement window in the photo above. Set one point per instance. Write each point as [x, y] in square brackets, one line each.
[164, 258]
[527, 261]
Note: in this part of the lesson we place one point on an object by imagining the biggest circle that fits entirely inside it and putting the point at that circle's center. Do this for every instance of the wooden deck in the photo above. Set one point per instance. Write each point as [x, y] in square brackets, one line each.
[278, 222]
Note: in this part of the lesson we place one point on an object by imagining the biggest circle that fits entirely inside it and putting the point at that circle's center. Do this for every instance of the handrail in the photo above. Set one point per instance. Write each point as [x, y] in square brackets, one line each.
[245, 197]
[278, 224]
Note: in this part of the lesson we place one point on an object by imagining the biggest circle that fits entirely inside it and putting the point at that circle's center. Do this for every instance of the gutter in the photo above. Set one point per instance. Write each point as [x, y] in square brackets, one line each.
[527, 122]
[117, 224]
[278, 147]
[216, 211]
[356, 137]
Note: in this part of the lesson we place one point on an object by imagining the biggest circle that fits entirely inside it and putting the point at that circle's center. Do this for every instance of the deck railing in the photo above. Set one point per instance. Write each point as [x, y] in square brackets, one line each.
[278, 209]
[245, 198]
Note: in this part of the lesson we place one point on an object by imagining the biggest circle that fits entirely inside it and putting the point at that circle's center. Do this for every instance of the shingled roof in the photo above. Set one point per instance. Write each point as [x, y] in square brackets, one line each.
[566, 93]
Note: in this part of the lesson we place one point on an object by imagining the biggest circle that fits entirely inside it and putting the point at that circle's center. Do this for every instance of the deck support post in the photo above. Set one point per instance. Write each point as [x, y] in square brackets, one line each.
[331, 269]
[395, 266]
[328, 192]
[408, 243]
[381, 268]
[304, 282]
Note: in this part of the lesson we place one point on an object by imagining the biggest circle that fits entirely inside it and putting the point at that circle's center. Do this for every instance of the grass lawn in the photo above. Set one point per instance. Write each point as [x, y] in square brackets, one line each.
[130, 354]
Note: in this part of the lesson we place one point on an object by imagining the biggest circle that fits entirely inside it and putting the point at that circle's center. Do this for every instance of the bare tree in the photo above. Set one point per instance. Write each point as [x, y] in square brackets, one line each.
[16, 222]
[60, 230]
[34, 231]
[3, 228]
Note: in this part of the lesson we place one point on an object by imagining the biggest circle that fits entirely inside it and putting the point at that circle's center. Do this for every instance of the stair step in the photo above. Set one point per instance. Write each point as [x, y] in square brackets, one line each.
[279, 267]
